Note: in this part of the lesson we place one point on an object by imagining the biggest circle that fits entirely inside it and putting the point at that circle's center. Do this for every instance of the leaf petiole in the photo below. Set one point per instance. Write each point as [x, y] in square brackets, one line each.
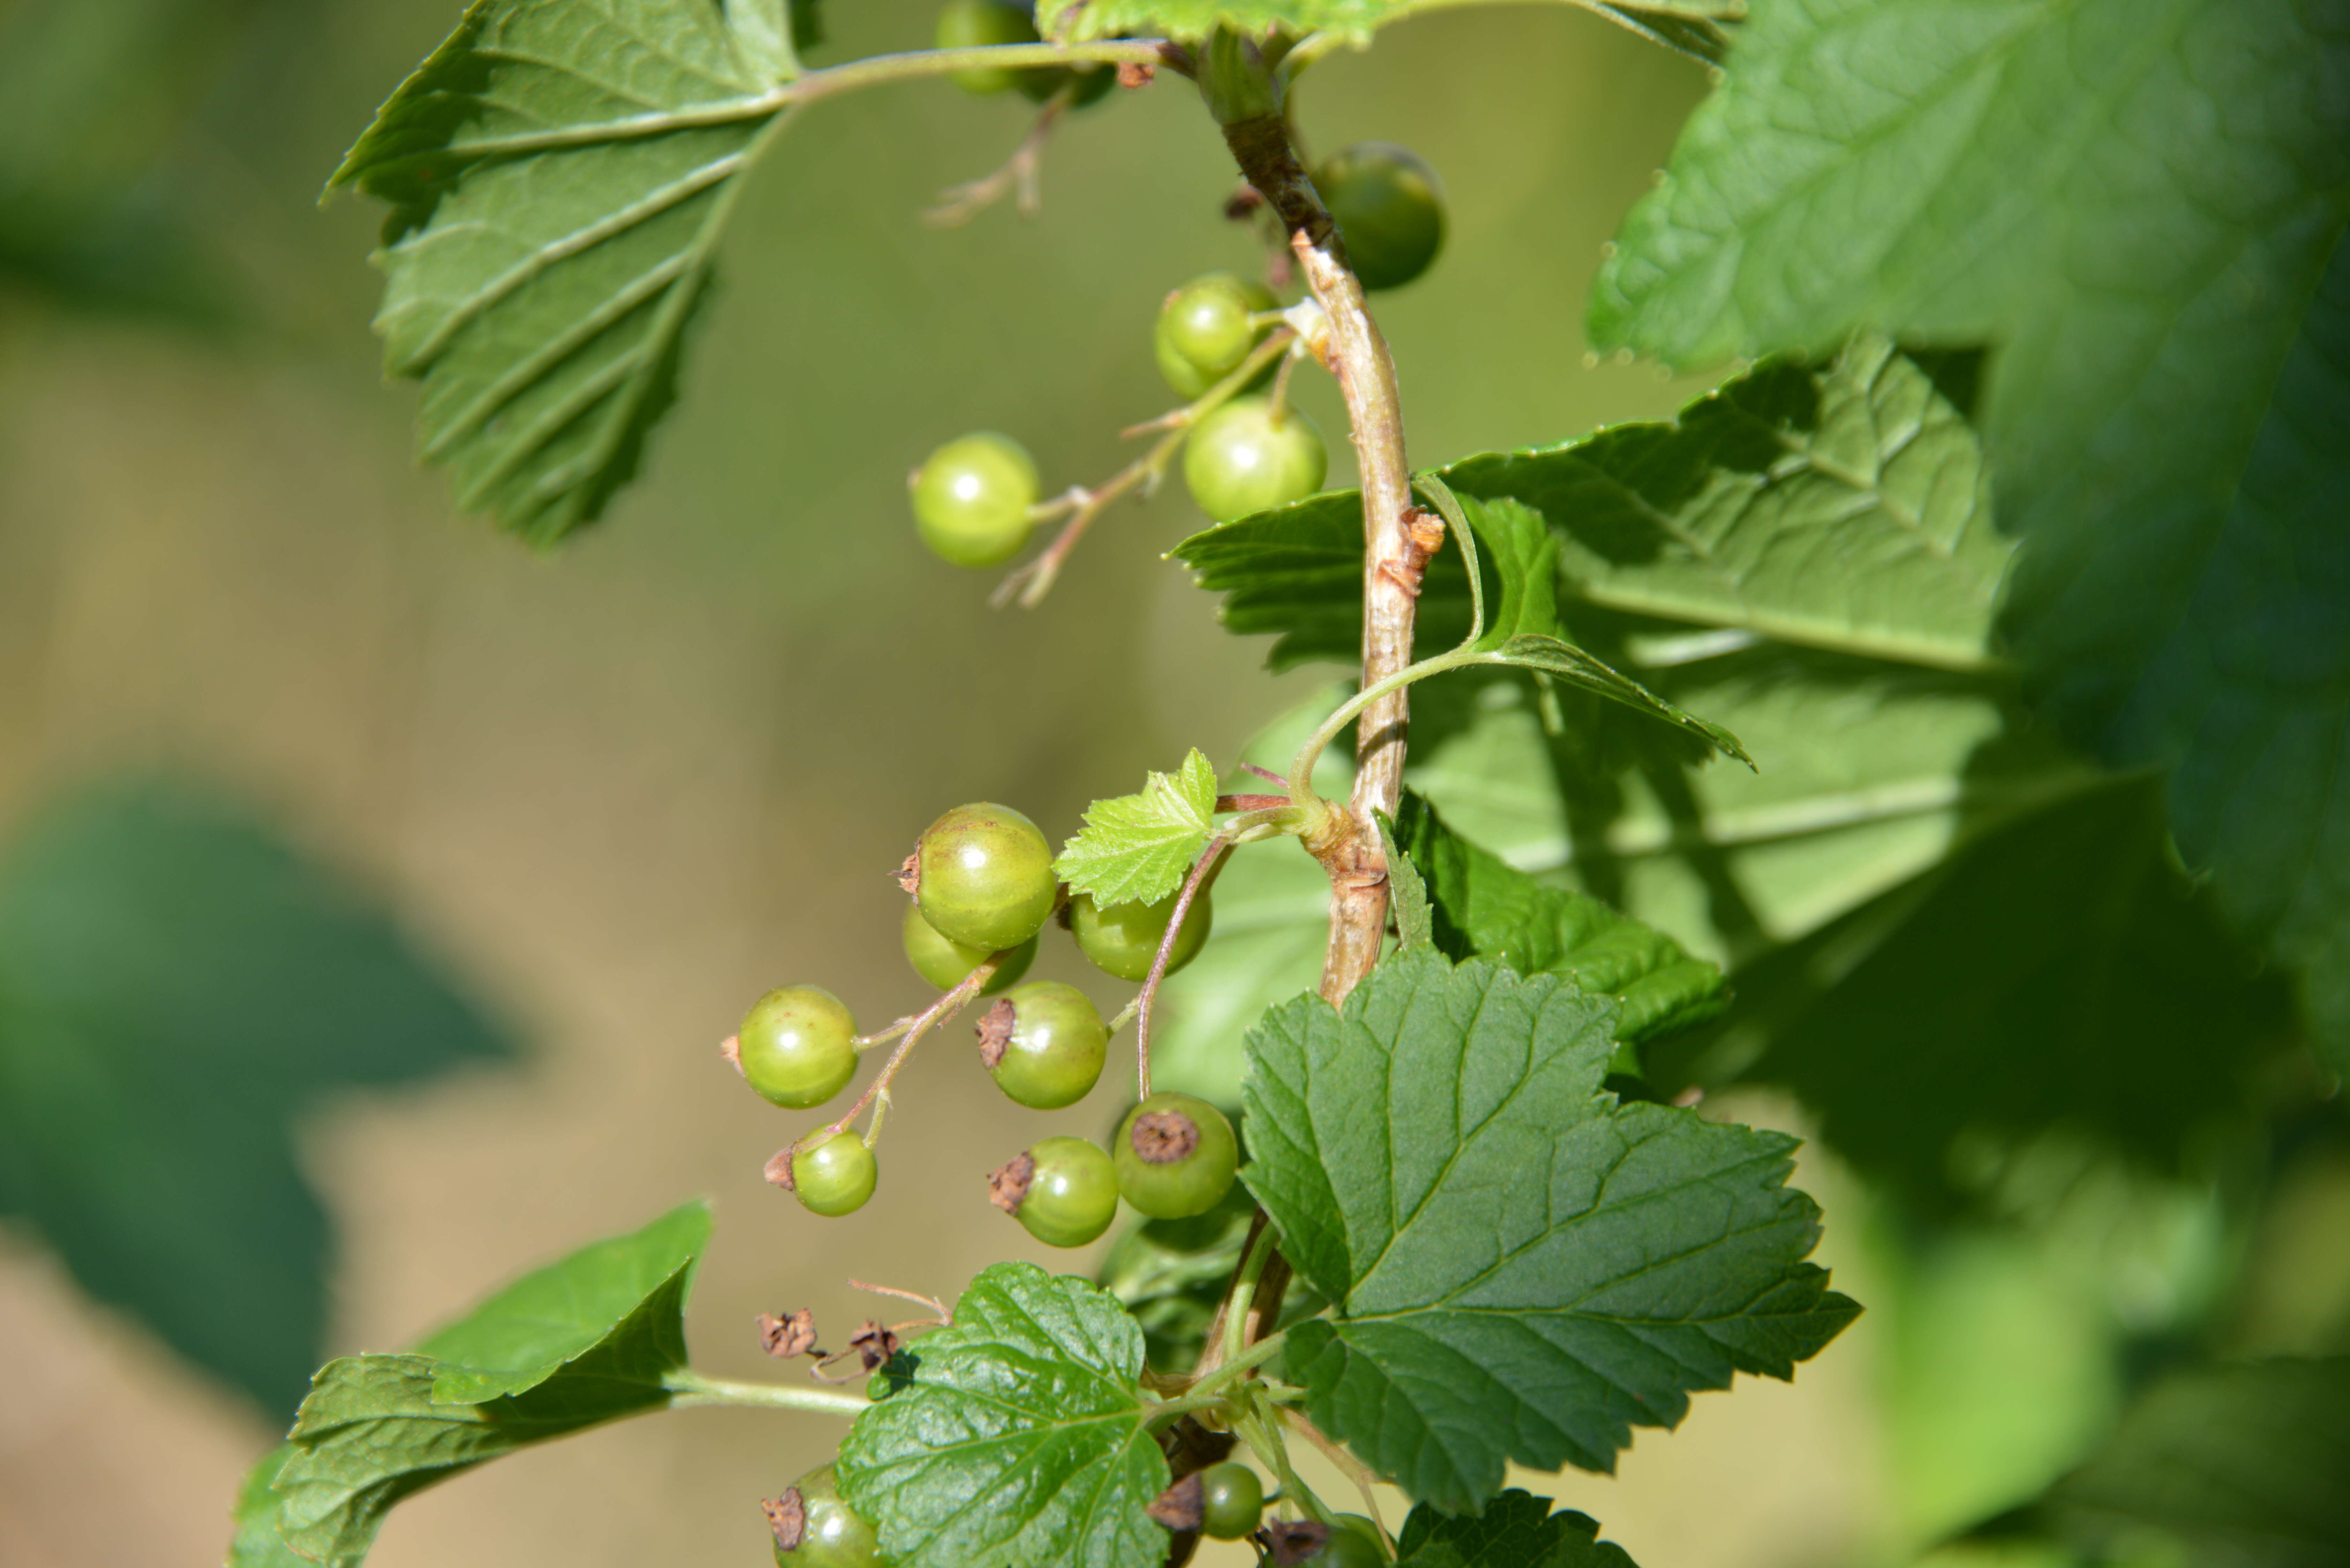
[690, 1389]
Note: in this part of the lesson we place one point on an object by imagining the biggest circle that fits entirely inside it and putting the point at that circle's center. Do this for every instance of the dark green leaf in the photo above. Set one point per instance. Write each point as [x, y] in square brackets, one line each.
[559, 189]
[2060, 974]
[1019, 1436]
[2139, 198]
[2232, 1466]
[1842, 506]
[623, 1298]
[1484, 908]
[1564, 661]
[177, 986]
[587, 1340]
[1517, 1530]
[1524, 1269]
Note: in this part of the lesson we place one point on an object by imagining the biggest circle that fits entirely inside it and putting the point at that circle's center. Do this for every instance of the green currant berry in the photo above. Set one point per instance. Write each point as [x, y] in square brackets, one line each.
[984, 875]
[1231, 1499]
[815, 1529]
[1389, 206]
[1204, 333]
[978, 24]
[945, 962]
[833, 1176]
[1063, 1190]
[1175, 1156]
[1354, 1543]
[1247, 457]
[1045, 1042]
[795, 1047]
[1123, 939]
[971, 500]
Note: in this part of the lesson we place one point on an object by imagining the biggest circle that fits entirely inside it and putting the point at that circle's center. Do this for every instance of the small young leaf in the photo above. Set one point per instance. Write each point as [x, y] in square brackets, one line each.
[1524, 1269]
[1485, 907]
[1137, 847]
[1564, 661]
[1415, 923]
[1688, 26]
[1018, 1437]
[1524, 557]
[377, 1428]
[559, 182]
[258, 1541]
[1517, 1530]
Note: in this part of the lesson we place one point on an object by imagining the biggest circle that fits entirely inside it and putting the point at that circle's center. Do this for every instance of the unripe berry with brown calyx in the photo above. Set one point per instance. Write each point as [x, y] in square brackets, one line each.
[831, 1175]
[1064, 1190]
[1044, 1043]
[982, 874]
[796, 1046]
[1175, 1156]
[814, 1528]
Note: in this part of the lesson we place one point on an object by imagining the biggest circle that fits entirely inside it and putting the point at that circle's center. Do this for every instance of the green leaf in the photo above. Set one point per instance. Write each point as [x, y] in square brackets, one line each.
[1524, 1268]
[257, 1542]
[559, 179]
[1842, 506]
[1524, 553]
[1139, 848]
[589, 1340]
[1019, 1436]
[1483, 907]
[1690, 27]
[1517, 1530]
[2170, 299]
[1407, 904]
[2059, 974]
[1564, 661]
[179, 986]
[605, 1297]
[2238, 1464]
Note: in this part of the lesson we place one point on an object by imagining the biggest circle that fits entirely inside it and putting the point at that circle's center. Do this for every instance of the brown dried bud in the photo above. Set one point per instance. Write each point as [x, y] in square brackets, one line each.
[784, 1337]
[1181, 1506]
[1164, 1138]
[1007, 1187]
[874, 1345]
[994, 1032]
[909, 873]
[731, 1049]
[787, 1517]
[779, 1169]
[1136, 73]
[1244, 203]
[1293, 1541]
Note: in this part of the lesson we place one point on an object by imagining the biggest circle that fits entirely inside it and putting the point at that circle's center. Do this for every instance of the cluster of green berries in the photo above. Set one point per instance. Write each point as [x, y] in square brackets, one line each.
[984, 889]
[975, 498]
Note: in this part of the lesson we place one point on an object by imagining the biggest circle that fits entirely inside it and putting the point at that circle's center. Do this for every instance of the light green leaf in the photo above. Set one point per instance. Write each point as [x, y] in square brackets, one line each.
[2237, 1464]
[1564, 661]
[2142, 202]
[1524, 553]
[1484, 908]
[1017, 1438]
[1842, 506]
[257, 1542]
[1137, 847]
[559, 177]
[179, 986]
[378, 1428]
[1524, 1268]
[1517, 1530]
[1408, 906]
[629, 1288]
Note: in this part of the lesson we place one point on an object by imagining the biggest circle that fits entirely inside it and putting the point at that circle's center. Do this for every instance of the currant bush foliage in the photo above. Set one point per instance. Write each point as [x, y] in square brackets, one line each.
[1523, 1267]
[1517, 1530]
[1137, 848]
[590, 1339]
[1017, 1436]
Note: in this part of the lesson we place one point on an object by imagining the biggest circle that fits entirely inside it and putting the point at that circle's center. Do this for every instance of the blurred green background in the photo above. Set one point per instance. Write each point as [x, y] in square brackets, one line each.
[459, 861]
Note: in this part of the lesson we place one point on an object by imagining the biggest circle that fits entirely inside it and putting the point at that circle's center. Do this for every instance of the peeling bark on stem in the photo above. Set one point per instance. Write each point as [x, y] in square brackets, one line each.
[1358, 358]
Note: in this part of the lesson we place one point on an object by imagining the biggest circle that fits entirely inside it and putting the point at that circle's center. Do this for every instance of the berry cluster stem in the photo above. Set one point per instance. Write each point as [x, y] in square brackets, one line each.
[929, 1018]
[1029, 584]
